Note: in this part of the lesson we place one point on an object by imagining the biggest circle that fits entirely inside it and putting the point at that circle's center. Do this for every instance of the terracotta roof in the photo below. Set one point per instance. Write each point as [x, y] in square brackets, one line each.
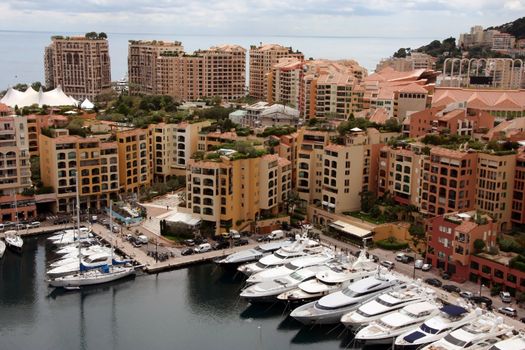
[379, 116]
[284, 162]
[482, 99]
[466, 226]
[445, 152]
[334, 147]
[4, 108]
[507, 126]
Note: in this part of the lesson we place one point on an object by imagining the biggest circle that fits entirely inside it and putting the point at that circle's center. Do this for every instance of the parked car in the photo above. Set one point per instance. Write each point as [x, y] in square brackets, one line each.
[426, 267]
[187, 251]
[522, 320]
[418, 264]
[466, 294]
[433, 282]
[481, 299]
[246, 233]
[189, 242]
[202, 248]
[388, 264]
[263, 239]
[508, 311]
[445, 276]
[33, 224]
[400, 256]
[221, 245]
[277, 234]
[451, 288]
[505, 297]
[374, 258]
[239, 242]
[143, 239]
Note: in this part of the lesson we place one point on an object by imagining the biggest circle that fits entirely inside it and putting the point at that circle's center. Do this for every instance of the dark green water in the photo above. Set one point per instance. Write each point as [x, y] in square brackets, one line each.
[195, 308]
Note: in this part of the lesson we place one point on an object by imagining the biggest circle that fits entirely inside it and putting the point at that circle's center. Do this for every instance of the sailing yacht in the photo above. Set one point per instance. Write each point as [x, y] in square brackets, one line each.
[392, 325]
[480, 333]
[86, 263]
[107, 273]
[295, 264]
[338, 276]
[14, 241]
[385, 304]
[330, 308]
[302, 246]
[450, 318]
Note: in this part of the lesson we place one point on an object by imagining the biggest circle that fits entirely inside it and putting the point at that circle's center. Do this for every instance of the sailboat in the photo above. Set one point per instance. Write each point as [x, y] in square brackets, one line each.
[86, 277]
[14, 241]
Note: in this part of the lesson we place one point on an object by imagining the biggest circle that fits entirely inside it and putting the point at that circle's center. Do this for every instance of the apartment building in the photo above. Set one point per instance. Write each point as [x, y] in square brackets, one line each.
[448, 181]
[398, 174]
[262, 59]
[287, 149]
[416, 60]
[262, 114]
[96, 162]
[503, 42]
[285, 83]
[494, 183]
[209, 141]
[80, 65]
[228, 193]
[518, 196]
[450, 241]
[143, 64]
[35, 124]
[180, 76]
[15, 168]
[134, 159]
[454, 119]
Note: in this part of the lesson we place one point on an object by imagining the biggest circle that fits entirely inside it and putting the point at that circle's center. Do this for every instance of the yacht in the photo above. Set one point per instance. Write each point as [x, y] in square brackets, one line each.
[2, 249]
[14, 241]
[385, 304]
[73, 247]
[516, 342]
[73, 257]
[390, 326]
[450, 318]
[293, 265]
[89, 262]
[249, 255]
[338, 276]
[98, 276]
[480, 333]
[71, 236]
[302, 246]
[268, 291]
[330, 308]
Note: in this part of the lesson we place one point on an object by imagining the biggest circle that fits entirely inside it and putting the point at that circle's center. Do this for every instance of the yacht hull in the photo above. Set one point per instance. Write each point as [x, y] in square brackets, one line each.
[87, 279]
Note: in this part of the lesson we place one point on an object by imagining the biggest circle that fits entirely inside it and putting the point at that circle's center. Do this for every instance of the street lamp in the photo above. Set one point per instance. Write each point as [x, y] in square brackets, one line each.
[414, 271]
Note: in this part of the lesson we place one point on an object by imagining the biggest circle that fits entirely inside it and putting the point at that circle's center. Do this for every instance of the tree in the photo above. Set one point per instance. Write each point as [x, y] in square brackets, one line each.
[292, 201]
[368, 200]
[106, 95]
[417, 233]
[102, 35]
[479, 245]
[91, 35]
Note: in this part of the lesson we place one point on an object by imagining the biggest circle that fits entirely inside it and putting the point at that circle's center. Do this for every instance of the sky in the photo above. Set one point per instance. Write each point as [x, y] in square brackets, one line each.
[377, 18]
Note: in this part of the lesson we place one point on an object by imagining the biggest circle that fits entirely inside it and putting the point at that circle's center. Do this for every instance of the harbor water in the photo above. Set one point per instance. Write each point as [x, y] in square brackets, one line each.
[193, 308]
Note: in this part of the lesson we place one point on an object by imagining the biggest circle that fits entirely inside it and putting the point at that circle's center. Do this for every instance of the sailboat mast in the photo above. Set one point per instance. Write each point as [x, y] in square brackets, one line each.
[111, 227]
[78, 221]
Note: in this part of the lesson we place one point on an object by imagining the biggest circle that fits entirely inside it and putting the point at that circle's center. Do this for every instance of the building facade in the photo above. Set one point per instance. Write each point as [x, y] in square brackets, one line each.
[80, 65]
[134, 159]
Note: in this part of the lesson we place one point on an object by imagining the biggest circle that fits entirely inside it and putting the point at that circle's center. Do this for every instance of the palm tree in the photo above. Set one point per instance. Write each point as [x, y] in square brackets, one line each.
[292, 201]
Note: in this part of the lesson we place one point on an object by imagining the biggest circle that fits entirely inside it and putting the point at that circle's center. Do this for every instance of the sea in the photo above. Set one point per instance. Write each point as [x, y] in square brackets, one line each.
[195, 308]
[22, 52]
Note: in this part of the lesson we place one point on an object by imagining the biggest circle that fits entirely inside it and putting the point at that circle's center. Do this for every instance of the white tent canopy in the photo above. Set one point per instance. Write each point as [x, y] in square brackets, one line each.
[87, 104]
[30, 97]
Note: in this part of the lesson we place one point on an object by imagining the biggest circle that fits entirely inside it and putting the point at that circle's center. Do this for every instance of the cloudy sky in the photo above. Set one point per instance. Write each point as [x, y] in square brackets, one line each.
[396, 18]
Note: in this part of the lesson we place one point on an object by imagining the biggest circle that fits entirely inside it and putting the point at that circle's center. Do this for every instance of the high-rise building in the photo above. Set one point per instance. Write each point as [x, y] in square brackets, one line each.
[143, 65]
[96, 162]
[162, 68]
[15, 168]
[135, 159]
[262, 59]
[80, 65]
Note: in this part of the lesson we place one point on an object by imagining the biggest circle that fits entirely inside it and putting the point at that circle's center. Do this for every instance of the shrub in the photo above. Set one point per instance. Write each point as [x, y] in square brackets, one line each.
[391, 244]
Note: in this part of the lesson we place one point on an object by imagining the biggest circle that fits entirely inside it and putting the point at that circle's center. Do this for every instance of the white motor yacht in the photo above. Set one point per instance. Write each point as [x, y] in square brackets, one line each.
[450, 318]
[340, 275]
[2, 249]
[71, 236]
[481, 333]
[13, 241]
[386, 304]
[73, 247]
[268, 290]
[516, 342]
[249, 255]
[302, 246]
[89, 262]
[330, 308]
[390, 326]
[293, 265]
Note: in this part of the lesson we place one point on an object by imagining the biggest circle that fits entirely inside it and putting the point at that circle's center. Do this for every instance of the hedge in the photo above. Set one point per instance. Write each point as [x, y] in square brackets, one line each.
[386, 244]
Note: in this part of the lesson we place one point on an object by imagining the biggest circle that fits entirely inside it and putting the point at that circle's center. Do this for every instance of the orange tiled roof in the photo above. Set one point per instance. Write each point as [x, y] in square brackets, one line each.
[466, 226]
[481, 99]
[379, 116]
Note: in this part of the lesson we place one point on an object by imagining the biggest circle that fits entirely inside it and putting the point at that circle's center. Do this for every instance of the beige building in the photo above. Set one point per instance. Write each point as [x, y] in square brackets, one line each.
[143, 64]
[97, 164]
[230, 193]
[81, 66]
[135, 159]
[15, 168]
[285, 82]
[416, 60]
[262, 59]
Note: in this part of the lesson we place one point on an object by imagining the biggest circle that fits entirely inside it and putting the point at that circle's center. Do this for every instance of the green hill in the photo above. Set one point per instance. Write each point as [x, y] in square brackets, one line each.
[516, 28]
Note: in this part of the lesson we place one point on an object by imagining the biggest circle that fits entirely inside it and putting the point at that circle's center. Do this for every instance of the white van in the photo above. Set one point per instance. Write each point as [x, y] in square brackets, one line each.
[203, 248]
[142, 239]
[277, 234]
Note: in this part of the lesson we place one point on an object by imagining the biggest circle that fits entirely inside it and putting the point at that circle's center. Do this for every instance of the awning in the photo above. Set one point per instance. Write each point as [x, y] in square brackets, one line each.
[187, 219]
[350, 229]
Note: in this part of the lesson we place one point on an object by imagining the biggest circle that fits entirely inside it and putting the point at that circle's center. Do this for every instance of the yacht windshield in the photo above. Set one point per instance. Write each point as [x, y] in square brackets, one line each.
[296, 276]
[428, 329]
[409, 314]
[261, 265]
[455, 341]
[290, 266]
[279, 255]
